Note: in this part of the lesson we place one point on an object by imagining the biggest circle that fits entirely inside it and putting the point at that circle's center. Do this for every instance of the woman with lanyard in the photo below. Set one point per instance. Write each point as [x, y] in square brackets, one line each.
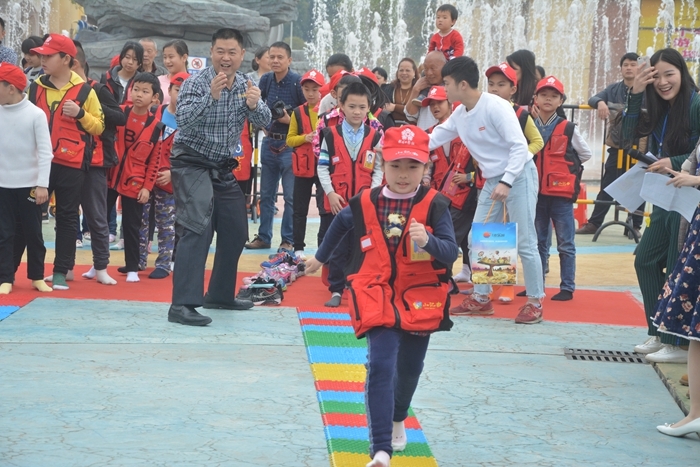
[399, 90]
[672, 123]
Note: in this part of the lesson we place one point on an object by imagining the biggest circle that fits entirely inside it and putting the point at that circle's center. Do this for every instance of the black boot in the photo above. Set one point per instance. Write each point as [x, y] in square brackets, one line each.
[234, 304]
[187, 315]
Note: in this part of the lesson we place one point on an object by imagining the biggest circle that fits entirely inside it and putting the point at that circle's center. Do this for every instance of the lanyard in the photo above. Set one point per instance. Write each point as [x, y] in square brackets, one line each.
[661, 140]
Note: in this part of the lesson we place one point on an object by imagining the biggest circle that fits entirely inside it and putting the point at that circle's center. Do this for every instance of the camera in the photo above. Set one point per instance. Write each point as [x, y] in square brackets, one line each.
[279, 109]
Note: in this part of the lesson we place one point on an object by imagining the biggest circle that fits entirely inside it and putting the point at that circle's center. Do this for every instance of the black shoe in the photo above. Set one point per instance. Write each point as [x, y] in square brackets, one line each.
[187, 315]
[563, 296]
[270, 296]
[235, 304]
[159, 273]
[521, 294]
[122, 270]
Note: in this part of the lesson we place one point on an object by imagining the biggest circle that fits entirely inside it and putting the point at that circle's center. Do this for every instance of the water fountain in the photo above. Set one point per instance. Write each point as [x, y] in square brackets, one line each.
[24, 18]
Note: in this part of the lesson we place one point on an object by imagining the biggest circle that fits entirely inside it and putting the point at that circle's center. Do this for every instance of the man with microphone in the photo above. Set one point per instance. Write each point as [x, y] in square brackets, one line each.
[211, 111]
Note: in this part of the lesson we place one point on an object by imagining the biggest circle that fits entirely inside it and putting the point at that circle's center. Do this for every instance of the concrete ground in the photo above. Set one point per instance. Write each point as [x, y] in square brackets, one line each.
[111, 383]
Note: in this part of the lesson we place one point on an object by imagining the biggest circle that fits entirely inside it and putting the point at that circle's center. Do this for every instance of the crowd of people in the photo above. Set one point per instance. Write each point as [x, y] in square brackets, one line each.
[401, 171]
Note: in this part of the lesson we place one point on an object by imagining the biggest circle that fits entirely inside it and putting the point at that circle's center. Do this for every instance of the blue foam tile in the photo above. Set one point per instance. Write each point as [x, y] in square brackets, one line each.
[336, 329]
[352, 355]
[340, 396]
[322, 315]
[6, 311]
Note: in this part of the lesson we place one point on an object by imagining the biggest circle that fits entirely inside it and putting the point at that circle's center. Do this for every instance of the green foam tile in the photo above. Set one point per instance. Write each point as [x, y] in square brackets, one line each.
[332, 339]
[342, 407]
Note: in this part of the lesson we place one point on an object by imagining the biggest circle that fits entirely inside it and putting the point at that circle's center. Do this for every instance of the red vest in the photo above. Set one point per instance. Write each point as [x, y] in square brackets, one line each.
[303, 157]
[165, 149]
[558, 166]
[460, 163]
[138, 165]
[440, 162]
[71, 144]
[407, 290]
[242, 171]
[348, 177]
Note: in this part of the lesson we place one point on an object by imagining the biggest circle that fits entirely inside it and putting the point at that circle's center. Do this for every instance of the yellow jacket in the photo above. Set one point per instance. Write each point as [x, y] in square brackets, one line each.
[294, 139]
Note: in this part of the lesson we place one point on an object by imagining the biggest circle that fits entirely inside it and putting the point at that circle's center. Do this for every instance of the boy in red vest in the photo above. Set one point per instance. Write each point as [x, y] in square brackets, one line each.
[503, 82]
[559, 166]
[138, 147]
[75, 115]
[452, 174]
[403, 245]
[302, 129]
[162, 194]
[347, 165]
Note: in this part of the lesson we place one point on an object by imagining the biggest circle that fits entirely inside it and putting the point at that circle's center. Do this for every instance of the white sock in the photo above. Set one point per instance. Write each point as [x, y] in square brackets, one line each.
[132, 277]
[104, 278]
[481, 298]
[70, 276]
[466, 270]
[398, 434]
[380, 459]
[90, 274]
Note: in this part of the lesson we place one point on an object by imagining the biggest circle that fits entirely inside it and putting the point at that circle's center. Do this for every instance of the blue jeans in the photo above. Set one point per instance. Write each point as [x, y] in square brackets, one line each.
[394, 365]
[560, 211]
[273, 168]
[520, 206]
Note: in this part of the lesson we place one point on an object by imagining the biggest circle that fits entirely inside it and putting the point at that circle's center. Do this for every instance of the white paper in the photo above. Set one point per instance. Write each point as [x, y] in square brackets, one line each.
[625, 190]
[681, 200]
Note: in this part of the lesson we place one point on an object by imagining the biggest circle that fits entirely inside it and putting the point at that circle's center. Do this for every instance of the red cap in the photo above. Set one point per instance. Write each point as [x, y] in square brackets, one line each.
[550, 82]
[367, 73]
[328, 87]
[56, 43]
[406, 142]
[436, 93]
[13, 75]
[179, 78]
[506, 70]
[315, 76]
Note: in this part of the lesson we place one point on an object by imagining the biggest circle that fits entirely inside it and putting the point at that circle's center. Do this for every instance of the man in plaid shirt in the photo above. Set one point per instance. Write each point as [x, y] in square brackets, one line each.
[211, 110]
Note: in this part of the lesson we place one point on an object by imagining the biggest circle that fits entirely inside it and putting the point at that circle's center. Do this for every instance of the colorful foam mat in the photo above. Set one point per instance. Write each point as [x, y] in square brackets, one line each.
[337, 361]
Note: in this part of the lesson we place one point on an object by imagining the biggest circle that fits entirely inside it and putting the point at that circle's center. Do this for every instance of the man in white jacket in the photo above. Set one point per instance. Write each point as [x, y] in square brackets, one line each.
[490, 130]
[25, 164]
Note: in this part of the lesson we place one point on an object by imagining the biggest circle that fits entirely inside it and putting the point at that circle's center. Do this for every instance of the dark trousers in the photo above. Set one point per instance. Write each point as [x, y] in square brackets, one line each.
[67, 185]
[610, 174]
[230, 222]
[94, 203]
[302, 199]
[336, 265]
[462, 220]
[132, 211]
[19, 210]
[394, 365]
[655, 259]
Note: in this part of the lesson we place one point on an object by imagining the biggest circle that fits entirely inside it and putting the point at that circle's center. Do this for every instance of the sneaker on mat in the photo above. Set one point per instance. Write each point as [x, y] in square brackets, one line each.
[651, 345]
[118, 246]
[270, 296]
[470, 306]
[668, 354]
[529, 314]
[112, 238]
[257, 244]
[286, 247]
[78, 243]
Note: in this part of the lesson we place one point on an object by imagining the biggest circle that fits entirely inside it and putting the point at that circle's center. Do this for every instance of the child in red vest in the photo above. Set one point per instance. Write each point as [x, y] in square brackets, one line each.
[447, 40]
[162, 194]
[402, 239]
[302, 129]
[559, 166]
[138, 148]
[347, 165]
[452, 174]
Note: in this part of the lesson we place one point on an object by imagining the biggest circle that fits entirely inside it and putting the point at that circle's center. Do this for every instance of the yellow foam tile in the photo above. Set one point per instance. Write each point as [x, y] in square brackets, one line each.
[346, 459]
[338, 372]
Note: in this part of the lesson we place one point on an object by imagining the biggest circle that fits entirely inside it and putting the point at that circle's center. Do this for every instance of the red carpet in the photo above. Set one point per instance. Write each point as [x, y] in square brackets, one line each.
[309, 293]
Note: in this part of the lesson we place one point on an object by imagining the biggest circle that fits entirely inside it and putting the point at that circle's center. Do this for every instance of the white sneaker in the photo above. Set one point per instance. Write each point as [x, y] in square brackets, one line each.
[78, 243]
[651, 345]
[668, 354]
[112, 238]
[461, 276]
[117, 246]
[300, 254]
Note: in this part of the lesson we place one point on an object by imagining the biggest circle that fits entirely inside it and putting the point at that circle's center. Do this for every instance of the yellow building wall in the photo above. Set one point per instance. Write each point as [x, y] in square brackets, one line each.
[64, 16]
[654, 36]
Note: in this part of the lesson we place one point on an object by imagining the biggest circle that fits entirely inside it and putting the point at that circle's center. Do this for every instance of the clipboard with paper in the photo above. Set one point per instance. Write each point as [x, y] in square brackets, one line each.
[494, 251]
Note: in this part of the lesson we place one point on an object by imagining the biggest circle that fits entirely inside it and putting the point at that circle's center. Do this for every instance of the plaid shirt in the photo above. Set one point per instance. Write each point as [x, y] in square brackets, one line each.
[210, 127]
[387, 206]
[7, 55]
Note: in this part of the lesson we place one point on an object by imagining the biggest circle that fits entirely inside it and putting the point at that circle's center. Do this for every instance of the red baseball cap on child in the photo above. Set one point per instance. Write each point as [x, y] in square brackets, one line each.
[406, 142]
[328, 87]
[179, 78]
[56, 43]
[314, 76]
[550, 82]
[13, 75]
[436, 93]
[367, 73]
[506, 69]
